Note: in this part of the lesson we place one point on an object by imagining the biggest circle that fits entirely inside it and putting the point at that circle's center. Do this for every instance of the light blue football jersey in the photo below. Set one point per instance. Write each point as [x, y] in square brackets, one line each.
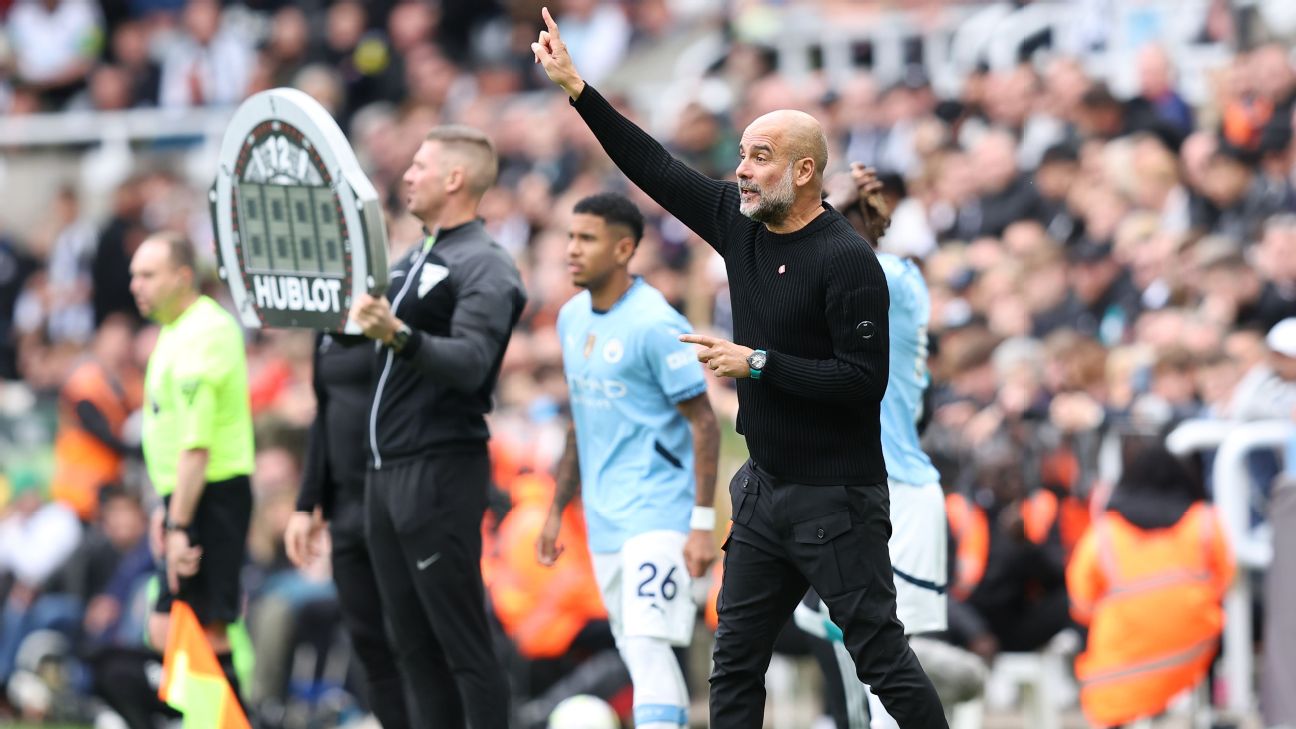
[902, 405]
[626, 372]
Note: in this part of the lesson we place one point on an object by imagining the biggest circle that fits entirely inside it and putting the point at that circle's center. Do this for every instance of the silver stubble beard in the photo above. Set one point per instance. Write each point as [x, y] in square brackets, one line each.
[774, 204]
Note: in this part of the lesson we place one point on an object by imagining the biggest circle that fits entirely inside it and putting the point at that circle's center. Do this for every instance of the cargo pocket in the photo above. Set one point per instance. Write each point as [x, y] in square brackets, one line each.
[743, 492]
[826, 551]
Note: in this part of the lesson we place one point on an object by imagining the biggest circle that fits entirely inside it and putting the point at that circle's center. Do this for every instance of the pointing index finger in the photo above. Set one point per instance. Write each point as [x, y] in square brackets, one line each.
[549, 21]
[701, 339]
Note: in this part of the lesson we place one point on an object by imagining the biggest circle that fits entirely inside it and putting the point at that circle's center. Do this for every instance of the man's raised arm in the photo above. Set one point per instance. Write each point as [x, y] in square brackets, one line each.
[705, 205]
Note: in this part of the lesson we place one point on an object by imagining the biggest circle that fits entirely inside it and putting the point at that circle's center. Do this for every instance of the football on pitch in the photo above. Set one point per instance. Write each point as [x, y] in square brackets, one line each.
[583, 712]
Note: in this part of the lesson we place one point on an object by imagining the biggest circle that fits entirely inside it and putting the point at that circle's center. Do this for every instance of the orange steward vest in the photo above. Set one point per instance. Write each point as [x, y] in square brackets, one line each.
[1152, 600]
[82, 463]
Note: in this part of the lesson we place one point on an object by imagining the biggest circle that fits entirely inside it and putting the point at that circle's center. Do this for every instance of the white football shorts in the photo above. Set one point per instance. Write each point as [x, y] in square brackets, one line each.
[646, 588]
[919, 556]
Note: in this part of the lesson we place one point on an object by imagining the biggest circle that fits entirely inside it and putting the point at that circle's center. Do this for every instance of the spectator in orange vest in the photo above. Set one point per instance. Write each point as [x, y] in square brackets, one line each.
[970, 537]
[541, 609]
[1148, 579]
[98, 397]
[1055, 506]
[553, 616]
[1008, 583]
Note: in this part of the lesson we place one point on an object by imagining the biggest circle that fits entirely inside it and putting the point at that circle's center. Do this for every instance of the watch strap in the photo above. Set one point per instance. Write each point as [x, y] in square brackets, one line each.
[401, 338]
[755, 372]
[188, 529]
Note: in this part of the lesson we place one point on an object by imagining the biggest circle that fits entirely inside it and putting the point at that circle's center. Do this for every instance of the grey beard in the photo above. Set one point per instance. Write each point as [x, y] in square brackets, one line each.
[776, 202]
[771, 211]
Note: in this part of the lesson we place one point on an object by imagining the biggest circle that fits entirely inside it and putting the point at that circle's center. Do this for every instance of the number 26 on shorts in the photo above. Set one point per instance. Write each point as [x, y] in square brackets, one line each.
[668, 588]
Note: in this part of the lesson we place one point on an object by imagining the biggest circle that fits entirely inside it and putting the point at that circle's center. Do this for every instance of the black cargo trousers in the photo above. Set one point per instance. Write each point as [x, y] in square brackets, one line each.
[423, 526]
[787, 537]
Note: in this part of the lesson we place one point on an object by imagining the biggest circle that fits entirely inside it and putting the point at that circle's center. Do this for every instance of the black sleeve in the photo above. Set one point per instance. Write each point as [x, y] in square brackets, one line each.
[317, 486]
[856, 307]
[488, 298]
[708, 207]
[96, 424]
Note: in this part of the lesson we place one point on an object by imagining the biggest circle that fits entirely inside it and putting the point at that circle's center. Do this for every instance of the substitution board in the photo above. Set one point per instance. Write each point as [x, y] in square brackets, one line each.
[299, 228]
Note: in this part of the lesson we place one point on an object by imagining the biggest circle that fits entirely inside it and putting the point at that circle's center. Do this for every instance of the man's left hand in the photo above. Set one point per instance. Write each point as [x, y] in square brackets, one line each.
[375, 317]
[726, 359]
[182, 559]
[699, 552]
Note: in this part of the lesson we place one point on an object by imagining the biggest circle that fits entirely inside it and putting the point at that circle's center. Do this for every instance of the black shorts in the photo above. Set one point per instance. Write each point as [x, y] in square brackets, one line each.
[220, 527]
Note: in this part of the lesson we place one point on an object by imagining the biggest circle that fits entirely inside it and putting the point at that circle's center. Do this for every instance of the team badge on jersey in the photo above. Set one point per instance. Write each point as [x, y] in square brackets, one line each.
[613, 351]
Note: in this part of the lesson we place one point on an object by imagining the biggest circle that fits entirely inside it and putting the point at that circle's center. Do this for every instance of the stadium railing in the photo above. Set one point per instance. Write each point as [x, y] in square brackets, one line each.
[1000, 34]
[69, 128]
[1232, 443]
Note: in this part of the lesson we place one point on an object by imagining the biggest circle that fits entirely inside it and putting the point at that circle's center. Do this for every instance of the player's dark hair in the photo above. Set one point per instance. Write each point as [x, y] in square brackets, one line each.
[615, 210]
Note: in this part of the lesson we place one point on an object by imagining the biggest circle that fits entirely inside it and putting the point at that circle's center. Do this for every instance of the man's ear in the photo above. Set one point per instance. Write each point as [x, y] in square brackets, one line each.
[457, 179]
[625, 249]
[804, 171]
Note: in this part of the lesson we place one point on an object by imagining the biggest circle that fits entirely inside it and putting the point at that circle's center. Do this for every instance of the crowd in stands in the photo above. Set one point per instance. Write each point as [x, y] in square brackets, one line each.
[1101, 269]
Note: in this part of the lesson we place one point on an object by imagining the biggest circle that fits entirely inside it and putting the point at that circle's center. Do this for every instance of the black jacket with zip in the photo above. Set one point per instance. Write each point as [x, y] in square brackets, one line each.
[461, 296]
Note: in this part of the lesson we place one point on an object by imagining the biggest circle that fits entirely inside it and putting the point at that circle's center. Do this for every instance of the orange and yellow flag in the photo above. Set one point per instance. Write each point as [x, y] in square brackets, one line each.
[192, 680]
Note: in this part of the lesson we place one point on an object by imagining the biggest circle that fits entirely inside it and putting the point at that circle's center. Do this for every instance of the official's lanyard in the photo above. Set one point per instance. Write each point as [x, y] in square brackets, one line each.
[430, 241]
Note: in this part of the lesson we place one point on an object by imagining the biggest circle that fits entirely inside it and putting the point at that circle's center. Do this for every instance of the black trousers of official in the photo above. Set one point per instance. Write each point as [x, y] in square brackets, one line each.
[363, 616]
[787, 537]
[424, 529]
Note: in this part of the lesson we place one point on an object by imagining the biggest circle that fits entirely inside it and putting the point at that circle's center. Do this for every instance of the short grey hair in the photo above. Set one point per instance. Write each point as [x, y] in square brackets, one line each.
[475, 149]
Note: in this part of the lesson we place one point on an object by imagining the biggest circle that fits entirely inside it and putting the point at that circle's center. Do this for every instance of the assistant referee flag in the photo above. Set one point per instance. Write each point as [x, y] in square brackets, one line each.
[192, 680]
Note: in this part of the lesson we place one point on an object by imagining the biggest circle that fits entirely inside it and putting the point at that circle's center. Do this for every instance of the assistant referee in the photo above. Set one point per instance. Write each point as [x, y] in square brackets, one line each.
[198, 443]
[811, 359]
[444, 325]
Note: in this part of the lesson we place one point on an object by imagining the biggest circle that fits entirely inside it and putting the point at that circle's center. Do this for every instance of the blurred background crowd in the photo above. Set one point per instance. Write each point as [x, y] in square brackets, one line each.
[1101, 194]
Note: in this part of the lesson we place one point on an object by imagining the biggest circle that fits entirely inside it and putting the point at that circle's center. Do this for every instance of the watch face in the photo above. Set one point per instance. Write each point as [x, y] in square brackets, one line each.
[757, 360]
[294, 216]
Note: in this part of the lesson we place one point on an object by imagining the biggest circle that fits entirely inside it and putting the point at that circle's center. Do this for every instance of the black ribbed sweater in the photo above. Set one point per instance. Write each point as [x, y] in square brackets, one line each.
[816, 300]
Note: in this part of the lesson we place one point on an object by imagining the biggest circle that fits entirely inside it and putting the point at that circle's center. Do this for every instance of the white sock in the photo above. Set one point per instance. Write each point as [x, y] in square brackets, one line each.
[660, 696]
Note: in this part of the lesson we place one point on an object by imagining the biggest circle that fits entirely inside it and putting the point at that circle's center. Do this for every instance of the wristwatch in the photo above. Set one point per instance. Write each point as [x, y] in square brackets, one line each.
[401, 337]
[171, 526]
[756, 361]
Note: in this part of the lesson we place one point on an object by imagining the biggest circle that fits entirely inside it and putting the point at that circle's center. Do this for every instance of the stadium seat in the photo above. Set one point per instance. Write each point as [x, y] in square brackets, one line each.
[1042, 679]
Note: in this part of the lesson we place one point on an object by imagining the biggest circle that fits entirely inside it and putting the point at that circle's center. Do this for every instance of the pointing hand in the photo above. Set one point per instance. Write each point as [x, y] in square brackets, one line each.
[724, 358]
[551, 52]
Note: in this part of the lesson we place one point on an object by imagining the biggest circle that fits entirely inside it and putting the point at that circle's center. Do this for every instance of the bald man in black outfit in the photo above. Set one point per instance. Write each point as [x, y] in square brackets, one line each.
[810, 356]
